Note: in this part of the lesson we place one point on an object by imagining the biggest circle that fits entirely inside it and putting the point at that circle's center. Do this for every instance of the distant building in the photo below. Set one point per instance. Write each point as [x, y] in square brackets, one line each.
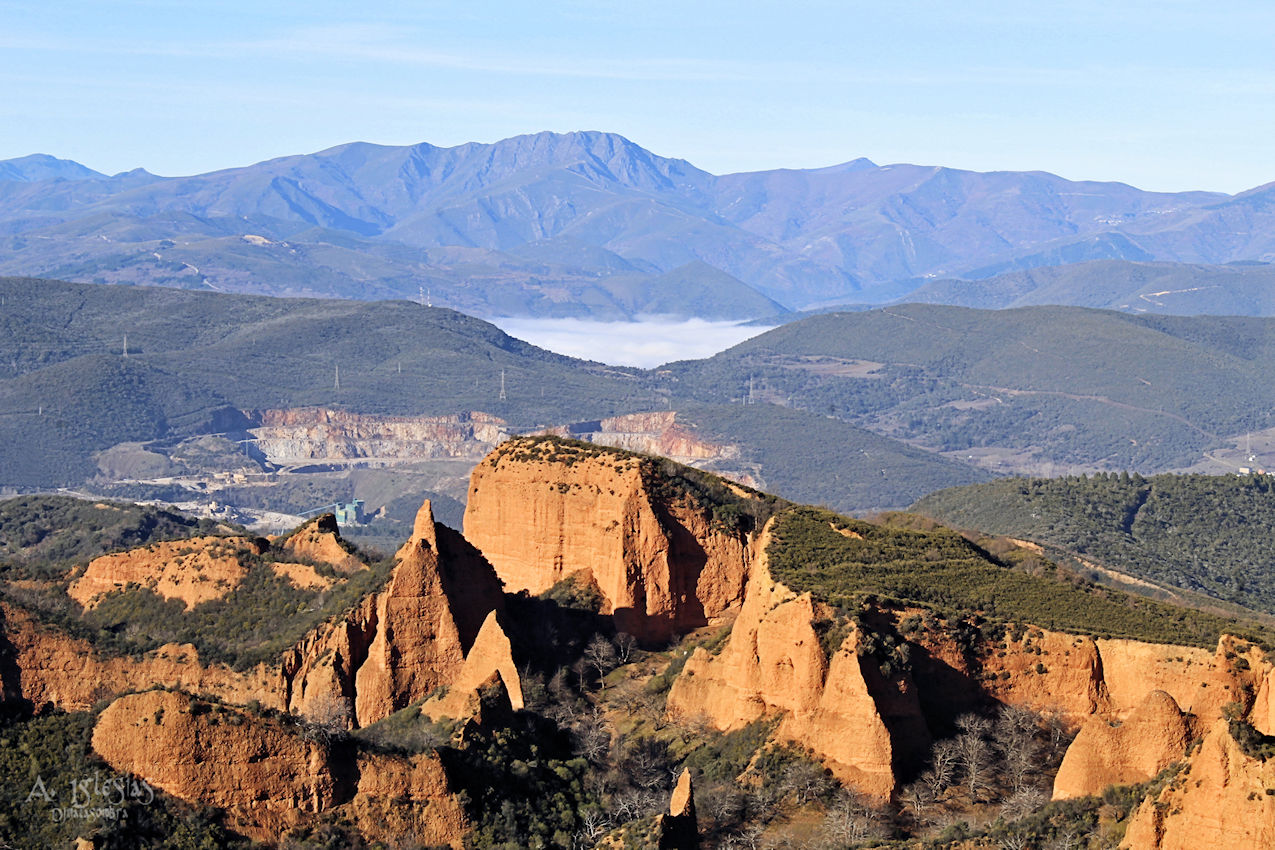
[351, 513]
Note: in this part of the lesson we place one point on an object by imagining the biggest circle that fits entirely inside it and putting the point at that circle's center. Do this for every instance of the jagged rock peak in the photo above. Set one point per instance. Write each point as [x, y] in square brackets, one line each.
[489, 661]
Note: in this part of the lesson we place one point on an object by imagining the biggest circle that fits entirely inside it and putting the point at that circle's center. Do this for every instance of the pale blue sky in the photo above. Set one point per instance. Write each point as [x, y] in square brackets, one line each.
[1164, 95]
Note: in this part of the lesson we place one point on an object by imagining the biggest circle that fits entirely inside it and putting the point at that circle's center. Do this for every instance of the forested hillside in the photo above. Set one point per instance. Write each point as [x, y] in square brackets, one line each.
[1210, 534]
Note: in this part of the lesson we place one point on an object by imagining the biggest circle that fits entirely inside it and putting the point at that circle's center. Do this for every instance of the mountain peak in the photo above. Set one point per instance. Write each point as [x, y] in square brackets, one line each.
[40, 166]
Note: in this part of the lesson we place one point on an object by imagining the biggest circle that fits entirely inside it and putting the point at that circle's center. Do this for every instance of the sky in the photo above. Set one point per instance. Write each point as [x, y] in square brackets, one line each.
[1165, 95]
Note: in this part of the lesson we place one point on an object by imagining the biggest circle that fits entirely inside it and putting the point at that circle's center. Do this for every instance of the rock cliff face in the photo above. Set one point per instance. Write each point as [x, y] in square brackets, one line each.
[320, 540]
[866, 726]
[200, 569]
[53, 670]
[678, 829]
[302, 435]
[1223, 798]
[267, 776]
[773, 663]
[391, 649]
[543, 510]
[1106, 753]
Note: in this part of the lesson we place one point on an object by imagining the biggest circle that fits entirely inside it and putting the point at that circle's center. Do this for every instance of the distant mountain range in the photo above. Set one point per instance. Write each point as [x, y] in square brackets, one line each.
[591, 224]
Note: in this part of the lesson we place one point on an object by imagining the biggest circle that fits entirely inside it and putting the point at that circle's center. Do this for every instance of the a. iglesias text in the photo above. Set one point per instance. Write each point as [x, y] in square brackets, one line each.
[102, 796]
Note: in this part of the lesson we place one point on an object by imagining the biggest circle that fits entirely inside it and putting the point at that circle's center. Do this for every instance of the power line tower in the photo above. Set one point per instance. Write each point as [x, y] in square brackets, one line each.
[336, 382]
[502, 384]
[125, 345]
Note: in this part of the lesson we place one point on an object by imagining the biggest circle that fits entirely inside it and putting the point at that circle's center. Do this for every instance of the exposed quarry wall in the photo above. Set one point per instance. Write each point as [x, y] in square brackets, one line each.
[299, 435]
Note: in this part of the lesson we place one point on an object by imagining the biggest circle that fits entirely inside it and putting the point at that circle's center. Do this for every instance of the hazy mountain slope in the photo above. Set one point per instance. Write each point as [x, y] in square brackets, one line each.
[1173, 288]
[27, 169]
[593, 205]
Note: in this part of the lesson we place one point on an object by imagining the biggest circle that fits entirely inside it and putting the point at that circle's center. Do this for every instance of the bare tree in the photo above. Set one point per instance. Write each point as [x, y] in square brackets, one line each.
[974, 752]
[851, 819]
[804, 781]
[625, 646]
[1015, 841]
[1023, 803]
[917, 797]
[944, 759]
[1015, 736]
[600, 655]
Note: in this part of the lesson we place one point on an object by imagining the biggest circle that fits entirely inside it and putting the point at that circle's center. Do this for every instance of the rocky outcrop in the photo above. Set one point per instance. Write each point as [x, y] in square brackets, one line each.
[1048, 672]
[398, 646]
[541, 510]
[308, 434]
[773, 663]
[489, 659]
[320, 540]
[1262, 715]
[1223, 798]
[1077, 677]
[196, 570]
[201, 569]
[391, 649]
[267, 776]
[51, 669]
[1109, 753]
[679, 828]
[1201, 682]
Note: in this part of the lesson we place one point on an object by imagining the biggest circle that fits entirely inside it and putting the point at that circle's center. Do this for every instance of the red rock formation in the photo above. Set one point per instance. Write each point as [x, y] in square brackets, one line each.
[543, 510]
[1262, 715]
[195, 570]
[773, 663]
[268, 777]
[1048, 672]
[425, 620]
[392, 649]
[320, 540]
[679, 829]
[1223, 799]
[201, 569]
[55, 670]
[1108, 753]
[490, 656]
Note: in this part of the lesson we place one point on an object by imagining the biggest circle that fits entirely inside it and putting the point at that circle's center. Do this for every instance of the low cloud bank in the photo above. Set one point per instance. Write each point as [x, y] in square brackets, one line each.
[645, 343]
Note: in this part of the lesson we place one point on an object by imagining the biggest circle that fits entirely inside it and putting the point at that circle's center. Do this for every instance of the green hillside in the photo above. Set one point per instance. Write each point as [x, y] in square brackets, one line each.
[1080, 388]
[1209, 534]
[820, 460]
[43, 536]
[195, 360]
[942, 570]
[201, 362]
